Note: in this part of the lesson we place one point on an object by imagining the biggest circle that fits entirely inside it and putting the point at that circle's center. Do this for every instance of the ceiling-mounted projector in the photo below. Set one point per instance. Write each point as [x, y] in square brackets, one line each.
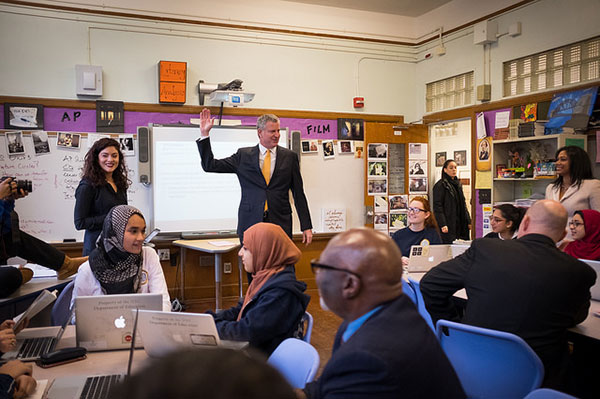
[233, 98]
[230, 93]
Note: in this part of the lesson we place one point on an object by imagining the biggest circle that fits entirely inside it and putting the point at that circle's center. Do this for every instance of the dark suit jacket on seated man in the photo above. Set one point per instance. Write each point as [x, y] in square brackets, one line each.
[383, 349]
[247, 163]
[525, 286]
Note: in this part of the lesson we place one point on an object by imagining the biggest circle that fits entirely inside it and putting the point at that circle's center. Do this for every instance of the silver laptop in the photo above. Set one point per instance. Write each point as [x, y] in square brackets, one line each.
[595, 290]
[35, 342]
[423, 257]
[105, 322]
[92, 387]
[164, 332]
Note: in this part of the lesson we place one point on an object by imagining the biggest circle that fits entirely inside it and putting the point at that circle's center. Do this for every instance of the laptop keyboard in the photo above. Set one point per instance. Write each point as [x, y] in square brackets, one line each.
[98, 387]
[35, 347]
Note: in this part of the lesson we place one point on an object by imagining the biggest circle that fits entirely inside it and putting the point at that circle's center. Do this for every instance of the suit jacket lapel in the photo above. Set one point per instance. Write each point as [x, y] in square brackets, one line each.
[278, 161]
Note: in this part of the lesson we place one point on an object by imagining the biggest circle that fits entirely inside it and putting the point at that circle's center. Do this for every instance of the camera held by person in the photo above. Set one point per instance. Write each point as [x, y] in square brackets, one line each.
[26, 185]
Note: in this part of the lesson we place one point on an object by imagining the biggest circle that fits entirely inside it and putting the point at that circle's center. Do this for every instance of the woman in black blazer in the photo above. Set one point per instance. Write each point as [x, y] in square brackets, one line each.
[449, 205]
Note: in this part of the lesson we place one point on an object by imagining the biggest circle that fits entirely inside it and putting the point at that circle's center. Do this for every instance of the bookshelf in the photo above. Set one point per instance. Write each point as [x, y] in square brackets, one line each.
[512, 188]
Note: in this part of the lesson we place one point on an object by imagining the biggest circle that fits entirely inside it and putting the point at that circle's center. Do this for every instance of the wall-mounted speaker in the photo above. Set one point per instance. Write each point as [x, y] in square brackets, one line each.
[144, 155]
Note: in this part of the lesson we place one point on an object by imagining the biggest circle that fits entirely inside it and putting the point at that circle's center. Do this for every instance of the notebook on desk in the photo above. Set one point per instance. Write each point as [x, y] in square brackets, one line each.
[422, 258]
[92, 387]
[34, 342]
[595, 290]
[105, 322]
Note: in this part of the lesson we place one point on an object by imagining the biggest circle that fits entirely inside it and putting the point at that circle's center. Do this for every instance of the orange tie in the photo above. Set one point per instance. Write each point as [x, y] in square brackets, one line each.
[266, 171]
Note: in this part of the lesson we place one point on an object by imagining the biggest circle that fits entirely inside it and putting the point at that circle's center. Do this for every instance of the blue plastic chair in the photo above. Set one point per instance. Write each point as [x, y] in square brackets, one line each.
[547, 393]
[296, 360]
[307, 320]
[421, 303]
[409, 291]
[490, 363]
[61, 308]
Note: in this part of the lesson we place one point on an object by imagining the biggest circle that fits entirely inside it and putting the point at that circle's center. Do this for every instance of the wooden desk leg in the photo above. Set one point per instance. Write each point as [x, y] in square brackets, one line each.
[240, 281]
[182, 274]
[217, 282]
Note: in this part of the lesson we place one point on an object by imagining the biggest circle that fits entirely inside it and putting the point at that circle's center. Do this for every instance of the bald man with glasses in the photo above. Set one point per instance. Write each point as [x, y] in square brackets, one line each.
[383, 349]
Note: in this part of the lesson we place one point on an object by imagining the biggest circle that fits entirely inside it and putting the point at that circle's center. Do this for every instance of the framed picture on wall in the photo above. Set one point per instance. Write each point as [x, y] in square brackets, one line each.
[460, 157]
[23, 116]
[440, 158]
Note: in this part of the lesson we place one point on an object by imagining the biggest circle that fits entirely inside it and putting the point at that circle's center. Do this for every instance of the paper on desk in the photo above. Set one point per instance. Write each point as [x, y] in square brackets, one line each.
[222, 243]
[40, 271]
[39, 390]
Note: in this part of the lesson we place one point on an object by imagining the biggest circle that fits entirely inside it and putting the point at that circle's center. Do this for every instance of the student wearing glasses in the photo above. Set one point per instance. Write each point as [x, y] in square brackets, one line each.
[275, 301]
[585, 230]
[505, 222]
[422, 228]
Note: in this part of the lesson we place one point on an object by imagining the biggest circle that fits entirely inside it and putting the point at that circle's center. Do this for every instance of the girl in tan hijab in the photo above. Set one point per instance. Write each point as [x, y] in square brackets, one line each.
[275, 301]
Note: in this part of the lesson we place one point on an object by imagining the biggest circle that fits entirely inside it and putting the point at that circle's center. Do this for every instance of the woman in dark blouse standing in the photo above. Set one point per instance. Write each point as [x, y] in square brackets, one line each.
[103, 186]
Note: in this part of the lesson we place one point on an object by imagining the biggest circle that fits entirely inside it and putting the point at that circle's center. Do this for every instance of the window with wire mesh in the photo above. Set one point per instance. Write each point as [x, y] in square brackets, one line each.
[450, 93]
[575, 63]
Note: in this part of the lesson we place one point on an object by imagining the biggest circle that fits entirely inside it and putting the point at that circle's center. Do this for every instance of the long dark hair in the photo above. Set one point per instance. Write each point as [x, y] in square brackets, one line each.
[94, 173]
[512, 214]
[444, 174]
[580, 166]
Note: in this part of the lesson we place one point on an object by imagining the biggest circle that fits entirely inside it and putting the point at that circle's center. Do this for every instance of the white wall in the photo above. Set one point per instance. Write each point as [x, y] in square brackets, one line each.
[286, 71]
[546, 24]
[41, 47]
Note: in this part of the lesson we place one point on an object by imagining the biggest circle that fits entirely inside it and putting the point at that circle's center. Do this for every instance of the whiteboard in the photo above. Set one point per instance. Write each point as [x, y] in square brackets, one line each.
[186, 199]
[47, 212]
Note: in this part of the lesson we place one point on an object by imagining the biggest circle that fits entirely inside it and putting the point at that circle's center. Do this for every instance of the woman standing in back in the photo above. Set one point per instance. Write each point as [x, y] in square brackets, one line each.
[575, 187]
[103, 186]
[449, 205]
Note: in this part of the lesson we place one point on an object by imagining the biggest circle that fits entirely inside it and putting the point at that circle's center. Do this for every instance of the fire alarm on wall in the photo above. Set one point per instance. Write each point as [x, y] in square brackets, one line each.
[359, 102]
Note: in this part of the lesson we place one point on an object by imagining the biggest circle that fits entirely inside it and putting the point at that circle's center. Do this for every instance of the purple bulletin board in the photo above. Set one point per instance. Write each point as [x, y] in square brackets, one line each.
[84, 120]
[490, 119]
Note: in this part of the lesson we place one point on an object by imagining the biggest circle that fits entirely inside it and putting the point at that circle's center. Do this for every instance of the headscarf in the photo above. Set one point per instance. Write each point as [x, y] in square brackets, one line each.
[117, 270]
[589, 246]
[271, 251]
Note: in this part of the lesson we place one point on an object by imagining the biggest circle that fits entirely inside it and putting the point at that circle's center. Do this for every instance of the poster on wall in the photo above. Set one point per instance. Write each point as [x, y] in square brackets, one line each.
[396, 168]
[483, 154]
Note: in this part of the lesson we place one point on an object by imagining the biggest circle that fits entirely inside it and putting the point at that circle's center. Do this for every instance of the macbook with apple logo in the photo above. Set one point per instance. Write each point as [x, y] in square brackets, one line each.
[105, 322]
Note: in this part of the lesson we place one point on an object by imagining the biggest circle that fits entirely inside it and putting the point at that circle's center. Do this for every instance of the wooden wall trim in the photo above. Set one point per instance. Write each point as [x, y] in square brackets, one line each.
[262, 28]
[192, 109]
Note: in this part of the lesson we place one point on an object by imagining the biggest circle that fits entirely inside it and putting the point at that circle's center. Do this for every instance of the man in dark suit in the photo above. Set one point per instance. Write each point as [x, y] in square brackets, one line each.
[383, 348]
[525, 286]
[266, 173]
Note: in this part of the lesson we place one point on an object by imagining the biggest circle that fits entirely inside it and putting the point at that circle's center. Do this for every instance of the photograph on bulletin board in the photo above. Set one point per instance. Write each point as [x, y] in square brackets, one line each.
[381, 220]
[351, 129]
[345, 147]
[380, 203]
[417, 167]
[14, 143]
[417, 185]
[23, 116]
[310, 146]
[40, 142]
[398, 220]
[378, 168]
[483, 154]
[398, 202]
[328, 151]
[460, 157]
[377, 186]
[377, 150]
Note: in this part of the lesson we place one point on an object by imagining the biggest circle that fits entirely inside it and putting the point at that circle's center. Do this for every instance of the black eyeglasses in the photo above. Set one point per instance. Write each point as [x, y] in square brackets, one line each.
[316, 265]
[417, 210]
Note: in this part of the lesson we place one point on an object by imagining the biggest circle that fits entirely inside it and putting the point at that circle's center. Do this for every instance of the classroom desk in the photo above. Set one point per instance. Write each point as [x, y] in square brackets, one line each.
[589, 328]
[96, 363]
[20, 300]
[206, 246]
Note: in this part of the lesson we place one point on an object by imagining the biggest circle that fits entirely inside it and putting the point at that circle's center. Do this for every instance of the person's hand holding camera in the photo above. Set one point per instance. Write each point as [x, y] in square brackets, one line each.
[7, 187]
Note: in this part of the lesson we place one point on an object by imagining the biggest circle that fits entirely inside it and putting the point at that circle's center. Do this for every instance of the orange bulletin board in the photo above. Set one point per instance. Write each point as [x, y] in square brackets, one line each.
[172, 81]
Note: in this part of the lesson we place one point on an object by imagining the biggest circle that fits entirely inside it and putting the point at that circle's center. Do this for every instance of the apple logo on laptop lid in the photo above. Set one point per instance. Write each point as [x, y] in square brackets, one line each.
[120, 322]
